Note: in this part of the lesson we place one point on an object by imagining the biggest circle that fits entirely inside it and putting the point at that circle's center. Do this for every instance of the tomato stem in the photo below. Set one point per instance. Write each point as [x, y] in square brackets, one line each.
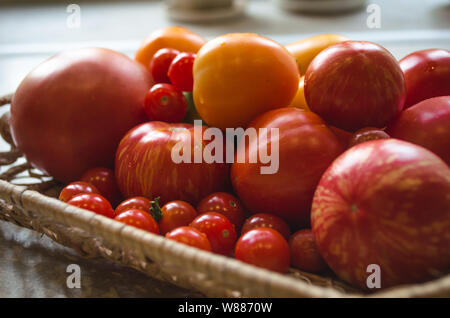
[155, 210]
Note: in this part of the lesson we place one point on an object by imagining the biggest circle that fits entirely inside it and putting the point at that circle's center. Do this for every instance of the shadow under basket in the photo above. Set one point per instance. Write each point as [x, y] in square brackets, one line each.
[34, 206]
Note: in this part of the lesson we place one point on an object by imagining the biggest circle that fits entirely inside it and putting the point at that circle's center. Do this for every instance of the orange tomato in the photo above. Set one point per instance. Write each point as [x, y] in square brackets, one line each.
[239, 76]
[306, 50]
[174, 37]
[299, 100]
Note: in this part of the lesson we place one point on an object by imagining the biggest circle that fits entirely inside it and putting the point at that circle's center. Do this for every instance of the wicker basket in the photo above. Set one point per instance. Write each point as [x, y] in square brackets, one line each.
[93, 236]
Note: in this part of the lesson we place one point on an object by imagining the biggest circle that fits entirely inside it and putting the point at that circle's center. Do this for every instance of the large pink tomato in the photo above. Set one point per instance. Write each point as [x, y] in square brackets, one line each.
[426, 124]
[383, 208]
[146, 165]
[427, 74]
[353, 85]
[69, 114]
[306, 147]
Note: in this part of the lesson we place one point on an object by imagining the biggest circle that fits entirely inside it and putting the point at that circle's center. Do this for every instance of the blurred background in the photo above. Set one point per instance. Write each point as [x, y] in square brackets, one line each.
[32, 31]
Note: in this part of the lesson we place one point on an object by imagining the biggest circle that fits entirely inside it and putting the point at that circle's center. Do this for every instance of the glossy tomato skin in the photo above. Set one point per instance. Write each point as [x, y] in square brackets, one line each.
[74, 188]
[103, 96]
[219, 230]
[159, 65]
[93, 202]
[139, 203]
[306, 148]
[190, 236]
[339, 85]
[367, 134]
[304, 252]
[264, 247]
[180, 71]
[176, 214]
[163, 102]
[267, 220]
[427, 75]
[426, 124]
[105, 181]
[140, 219]
[384, 202]
[144, 165]
[226, 204]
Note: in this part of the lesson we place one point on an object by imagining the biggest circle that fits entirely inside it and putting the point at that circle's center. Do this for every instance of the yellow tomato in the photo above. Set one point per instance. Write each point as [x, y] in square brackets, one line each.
[174, 37]
[306, 50]
[299, 100]
[239, 76]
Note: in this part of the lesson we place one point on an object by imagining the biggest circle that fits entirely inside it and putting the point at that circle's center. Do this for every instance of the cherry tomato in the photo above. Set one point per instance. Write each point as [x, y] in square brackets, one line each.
[93, 202]
[140, 203]
[159, 65]
[140, 219]
[175, 214]
[219, 230]
[164, 102]
[269, 221]
[263, 247]
[103, 179]
[190, 236]
[74, 188]
[304, 253]
[367, 134]
[180, 71]
[226, 204]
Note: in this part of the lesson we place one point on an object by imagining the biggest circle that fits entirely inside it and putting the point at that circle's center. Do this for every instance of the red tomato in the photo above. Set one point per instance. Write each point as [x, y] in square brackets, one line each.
[165, 103]
[353, 85]
[426, 124]
[267, 220]
[306, 148]
[140, 219]
[219, 230]
[104, 180]
[139, 203]
[69, 114]
[93, 202]
[384, 202]
[226, 204]
[367, 134]
[75, 188]
[263, 247]
[180, 71]
[427, 74]
[144, 165]
[304, 253]
[190, 236]
[159, 65]
[176, 214]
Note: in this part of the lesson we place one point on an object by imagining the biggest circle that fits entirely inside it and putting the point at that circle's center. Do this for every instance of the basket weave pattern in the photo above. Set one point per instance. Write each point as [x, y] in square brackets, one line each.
[93, 236]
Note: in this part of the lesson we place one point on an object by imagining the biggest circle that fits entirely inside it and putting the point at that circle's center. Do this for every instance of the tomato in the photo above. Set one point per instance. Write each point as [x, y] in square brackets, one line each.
[144, 165]
[427, 74]
[139, 203]
[306, 148]
[219, 230]
[180, 71]
[140, 219]
[426, 124]
[69, 114]
[355, 84]
[267, 220]
[299, 100]
[239, 76]
[367, 134]
[93, 202]
[74, 188]
[190, 236]
[159, 65]
[176, 214]
[173, 37]
[304, 253]
[307, 49]
[104, 180]
[384, 202]
[263, 247]
[226, 204]
[164, 102]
